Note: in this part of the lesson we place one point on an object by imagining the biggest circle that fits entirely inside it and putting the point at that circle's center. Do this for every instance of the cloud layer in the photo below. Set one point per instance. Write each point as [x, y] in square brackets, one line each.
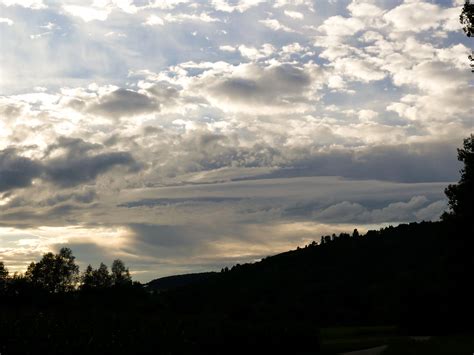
[184, 136]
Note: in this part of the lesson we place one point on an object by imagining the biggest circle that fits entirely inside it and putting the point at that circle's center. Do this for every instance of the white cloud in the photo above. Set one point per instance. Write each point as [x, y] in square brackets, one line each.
[227, 48]
[363, 8]
[275, 25]
[254, 53]
[33, 4]
[204, 17]
[367, 115]
[6, 21]
[306, 3]
[240, 6]
[154, 20]
[413, 16]
[341, 26]
[365, 70]
[294, 14]
[167, 4]
[86, 13]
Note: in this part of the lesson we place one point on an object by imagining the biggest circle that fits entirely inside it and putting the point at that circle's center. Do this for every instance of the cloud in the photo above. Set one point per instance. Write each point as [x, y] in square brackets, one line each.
[68, 162]
[338, 26]
[364, 9]
[6, 21]
[152, 202]
[240, 6]
[412, 16]
[275, 25]
[87, 13]
[16, 171]
[66, 172]
[294, 14]
[86, 197]
[203, 17]
[154, 20]
[256, 88]
[416, 209]
[124, 102]
[403, 163]
[32, 4]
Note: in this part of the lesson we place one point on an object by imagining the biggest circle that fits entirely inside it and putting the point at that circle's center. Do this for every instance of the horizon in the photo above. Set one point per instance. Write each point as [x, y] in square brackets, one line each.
[184, 137]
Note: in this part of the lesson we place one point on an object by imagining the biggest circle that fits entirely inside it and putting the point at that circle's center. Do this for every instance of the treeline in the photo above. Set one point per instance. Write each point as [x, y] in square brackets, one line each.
[58, 273]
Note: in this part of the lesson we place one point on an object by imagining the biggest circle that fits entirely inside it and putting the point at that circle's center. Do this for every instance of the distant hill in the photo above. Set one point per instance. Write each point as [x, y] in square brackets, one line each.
[415, 275]
[175, 281]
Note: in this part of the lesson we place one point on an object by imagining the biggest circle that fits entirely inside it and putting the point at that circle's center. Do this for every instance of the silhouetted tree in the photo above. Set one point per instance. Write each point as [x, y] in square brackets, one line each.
[87, 278]
[96, 279]
[102, 277]
[120, 274]
[467, 20]
[460, 195]
[355, 234]
[55, 272]
[3, 271]
[3, 276]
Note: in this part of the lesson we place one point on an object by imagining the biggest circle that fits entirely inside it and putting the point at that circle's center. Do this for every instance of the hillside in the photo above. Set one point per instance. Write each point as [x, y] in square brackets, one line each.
[413, 275]
[176, 281]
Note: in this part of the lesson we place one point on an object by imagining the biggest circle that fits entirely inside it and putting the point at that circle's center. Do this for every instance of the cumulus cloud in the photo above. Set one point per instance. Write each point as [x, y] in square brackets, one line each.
[275, 25]
[64, 172]
[6, 21]
[240, 6]
[411, 16]
[124, 102]
[33, 4]
[68, 162]
[16, 171]
[253, 87]
[416, 209]
[86, 13]
[153, 20]
[338, 26]
[293, 14]
[75, 165]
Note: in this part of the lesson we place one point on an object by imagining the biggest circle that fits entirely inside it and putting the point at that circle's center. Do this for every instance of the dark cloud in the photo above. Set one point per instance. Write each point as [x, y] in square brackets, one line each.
[72, 147]
[65, 172]
[154, 235]
[271, 85]
[85, 197]
[73, 165]
[422, 162]
[16, 171]
[400, 163]
[76, 165]
[123, 102]
[28, 218]
[151, 202]
[164, 93]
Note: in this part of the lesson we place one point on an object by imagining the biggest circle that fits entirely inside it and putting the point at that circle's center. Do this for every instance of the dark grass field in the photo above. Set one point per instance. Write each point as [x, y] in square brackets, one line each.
[336, 340]
[339, 340]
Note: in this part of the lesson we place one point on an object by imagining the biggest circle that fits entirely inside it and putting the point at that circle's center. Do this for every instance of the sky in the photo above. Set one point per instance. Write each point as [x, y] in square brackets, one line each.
[185, 136]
